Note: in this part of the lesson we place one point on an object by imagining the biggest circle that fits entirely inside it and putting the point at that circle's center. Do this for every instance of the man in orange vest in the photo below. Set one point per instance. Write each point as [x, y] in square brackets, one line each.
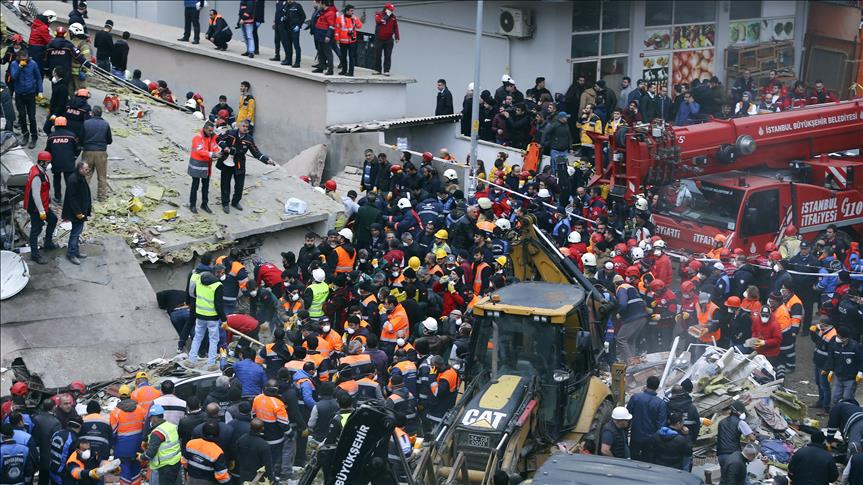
[343, 253]
[396, 322]
[347, 26]
[271, 410]
[794, 305]
[144, 393]
[780, 315]
[204, 150]
[708, 323]
[37, 203]
[127, 421]
[482, 272]
[444, 389]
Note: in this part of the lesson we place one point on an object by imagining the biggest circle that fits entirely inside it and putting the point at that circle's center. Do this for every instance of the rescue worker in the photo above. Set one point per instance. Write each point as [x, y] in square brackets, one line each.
[77, 112]
[163, 449]
[346, 27]
[127, 421]
[403, 402]
[63, 444]
[740, 323]
[144, 393]
[716, 249]
[206, 290]
[63, 146]
[649, 413]
[822, 336]
[79, 38]
[45, 424]
[303, 382]
[633, 318]
[337, 423]
[316, 294]
[768, 337]
[805, 261]
[26, 79]
[844, 368]
[403, 364]
[444, 389]
[323, 412]
[97, 429]
[271, 410]
[204, 460]
[396, 323]
[345, 254]
[614, 440]
[794, 306]
[16, 465]
[83, 466]
[276, 354]
[730, 430]
[236, 279]
[37, 203]
[205, 149]
[707, 316]
[175, 408]
[235, 145]
[782, 318]
[664, 307]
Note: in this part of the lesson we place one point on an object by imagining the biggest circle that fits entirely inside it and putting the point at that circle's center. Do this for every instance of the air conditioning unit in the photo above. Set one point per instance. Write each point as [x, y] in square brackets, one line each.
[515, 22]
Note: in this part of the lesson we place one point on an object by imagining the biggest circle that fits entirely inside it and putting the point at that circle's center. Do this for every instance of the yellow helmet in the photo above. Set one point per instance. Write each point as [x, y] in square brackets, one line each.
[141, 375]
[440, 253]
[442, 234]
[124, 391]
[501, 260]
[414, 263]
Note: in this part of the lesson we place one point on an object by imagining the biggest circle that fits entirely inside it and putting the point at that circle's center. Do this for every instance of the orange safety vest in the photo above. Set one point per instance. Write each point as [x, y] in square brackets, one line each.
[783, 318]
[293, 307]
[795, 319]
[369, 300]
[145, 395]
[128, 424]
[472, 302]
[530, 162]
[77, 467]
[205, 455]
[477, 277]
[368, 387]
[406, 367]
[450, 376]
[396, 323]
[318, 359]
[269, 409]
[294, 365]
[346, 28]
[704, 316]
[334, 340]
[357, 362]
[350, 386]
[345, 263]
[753, 306]
[236, 266]
[270, 353]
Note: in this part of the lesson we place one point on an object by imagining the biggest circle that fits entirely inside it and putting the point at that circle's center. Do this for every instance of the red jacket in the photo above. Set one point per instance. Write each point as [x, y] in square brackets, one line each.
[451, 301]
[270, 274]
[662, 269]
[386, 27]
[823, 96]
[327, 20]
[768, 332]
[241, 323]
[40, 36]
[44, 192]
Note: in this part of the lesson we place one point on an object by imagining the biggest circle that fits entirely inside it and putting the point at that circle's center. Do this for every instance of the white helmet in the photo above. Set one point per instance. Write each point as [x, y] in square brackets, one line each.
[50, 15]
[321, 190]
[484, 203]
[636, 253]
[470, 87]
[191, 103]
[318, 275]
[659, 243]
[574, 238]
[588, 259]
[76, 29]
[404, 203]
[641, 204]
[506, 79]
[644, 245]
[620, 413]
[543, 194]
[430, 324]
[450, 174]
[198, 115]
[503, 224]
[347, 234]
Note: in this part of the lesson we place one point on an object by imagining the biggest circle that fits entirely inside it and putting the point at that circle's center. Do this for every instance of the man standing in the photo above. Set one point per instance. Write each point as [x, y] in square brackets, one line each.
[625, 89]
[325, 25]
[613, 440]
[206, 290]
[289, 27]
[77, 205]
[386, 36]
[246, 111]
[730, 430]
[347, 26]
[444, 99]
[127, 421]
[252, 453]
[205, 149]
[38, 205]
[232, 162]
[633, 318]
[94, 141]
[104, 44]
[271, 410]
[163, 449]
[120, 55]
[175, 408]
[204, 460]
[733, 469]
[649, 415]
[844, 367]
[16, 463]
[813, 464]
[27, 83]
[191, 18]
[45, 424]
[246, 22]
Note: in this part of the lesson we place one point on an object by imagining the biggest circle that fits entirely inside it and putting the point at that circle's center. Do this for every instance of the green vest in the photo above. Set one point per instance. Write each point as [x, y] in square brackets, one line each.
[169, 450]
[320, 291]
[205, 296]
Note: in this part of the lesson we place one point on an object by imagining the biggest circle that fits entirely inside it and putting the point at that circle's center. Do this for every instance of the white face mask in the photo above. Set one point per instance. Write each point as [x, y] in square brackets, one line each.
[254, 292]
[458, 321]
[839, 340]
[657, 253]
[55, 79]
[85, 455]
[295, 296]
[223, 277]
[743, 417]
[388, 12]
[400, 342]
[777, 268]
[765, 319]
[350, 331]
[325, 328]
[395, 274]
[362, 260]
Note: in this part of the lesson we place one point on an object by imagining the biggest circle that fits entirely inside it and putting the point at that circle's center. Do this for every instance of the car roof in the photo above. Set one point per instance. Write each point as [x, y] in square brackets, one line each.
[563, 469]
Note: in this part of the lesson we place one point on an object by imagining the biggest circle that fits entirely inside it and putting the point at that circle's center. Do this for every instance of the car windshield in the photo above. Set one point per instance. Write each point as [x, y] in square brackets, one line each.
[706, 203]
[526, 347]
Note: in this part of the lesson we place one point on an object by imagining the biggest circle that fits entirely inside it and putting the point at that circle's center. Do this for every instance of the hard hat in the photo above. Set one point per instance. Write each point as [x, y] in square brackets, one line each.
[124, 391]
[636, 253]
[732, 301]
[659, 243]
[506, 79]
[450, 174]
[543, 194]
[78, 387]
[486, 226]
[427, 156]
[687, 286]
[198, 115]
[76, 29]
[50, 15]
[151, 86]
[770, 247]
[395, 168]
[83, 92]
[719, 238]
[739, 252]
[440, 253]
[347, 234]
[484, 203]
[791, 230]
[524, 175]
[19, 389]
[632, 271]
[641, 204]
[156, 410]
[330, 184]
[414, 263]
[620, 248]
[127, 75]
[60, 32]
[503, 224]
[404, 203]
[441, 234]
[617, 279]
[775, 256]
[718, 266]
[43, 157]
[631, 243]
[597, 238]
[430, 324]
[191, 103]
[656, 285]
[470, 86]
[141, 375]
[588, 259]
[644, 245]
[60, 121]
[724, 253]
[609, 265]
[621, 413]
[501, 260]
[16, 38]
[694, 265]
[318, 275]
[574, 237]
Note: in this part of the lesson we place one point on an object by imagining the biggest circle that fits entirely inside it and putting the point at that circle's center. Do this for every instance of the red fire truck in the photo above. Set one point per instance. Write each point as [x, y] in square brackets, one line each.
[747, 178]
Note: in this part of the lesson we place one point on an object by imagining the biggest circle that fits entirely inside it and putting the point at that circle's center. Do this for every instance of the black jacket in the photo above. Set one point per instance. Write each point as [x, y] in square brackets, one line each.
[44, 427]
[743, 278]
[461, 233]
[104, 44]
[734, 470]
[77, 111]
[75, 17]
[252, 453]
[120, 55]
[444, 103]
[291, 15]
[63, 147]
[812, 465]
[77, 199]
[96, 135]
[670, 448]
[188, 424]
[238, 146]
[558, 137]
[683, 405]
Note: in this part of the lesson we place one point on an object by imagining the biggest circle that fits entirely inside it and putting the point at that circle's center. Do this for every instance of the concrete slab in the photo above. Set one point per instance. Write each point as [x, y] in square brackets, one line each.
[70, 320]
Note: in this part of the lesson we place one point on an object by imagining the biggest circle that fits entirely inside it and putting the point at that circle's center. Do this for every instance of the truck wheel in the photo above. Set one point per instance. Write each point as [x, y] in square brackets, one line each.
[603, 414]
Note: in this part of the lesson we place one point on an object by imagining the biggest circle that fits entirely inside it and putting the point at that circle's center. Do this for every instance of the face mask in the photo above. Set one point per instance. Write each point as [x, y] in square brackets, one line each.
[395, 274]
[765, 319]
[325, 328]
[458, 321]
[55, 79]
[295, 296]
[222, 278]
[388, 12]
[743, 417]
[254, 293]
[350, 331]
[840, 340]
[777, 268]
[85, 455]
[362, 261]
[400, 342]
[657, 253]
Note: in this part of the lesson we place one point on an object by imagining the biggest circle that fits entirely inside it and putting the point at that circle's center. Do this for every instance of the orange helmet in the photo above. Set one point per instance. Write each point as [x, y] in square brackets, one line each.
[427, 156]
[732, 301]
[620, 248]
[719, 238]
[770, 247]
[687, 287]
[16, 38]
[330, 185]
[632, 271]
[657, 285]
[630, 243]
[83, 92]
[61, 121]
[791, 230]
[694, 265]
[775, 256]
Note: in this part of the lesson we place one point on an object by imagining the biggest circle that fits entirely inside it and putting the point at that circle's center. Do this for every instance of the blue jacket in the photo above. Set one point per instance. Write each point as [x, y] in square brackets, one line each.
[27, 80]
[649, 414]
[251, 376]
[307, 389]
[431, 210]
[15, 464]
[685, 112]
[190, 3]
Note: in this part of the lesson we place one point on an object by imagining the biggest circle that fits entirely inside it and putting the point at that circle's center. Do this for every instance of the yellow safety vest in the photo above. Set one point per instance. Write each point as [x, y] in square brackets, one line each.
[320, 291]
[169, 450]
[205, 296]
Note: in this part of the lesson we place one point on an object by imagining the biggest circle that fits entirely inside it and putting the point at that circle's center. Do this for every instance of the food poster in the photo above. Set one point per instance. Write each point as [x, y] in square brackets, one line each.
[777, 29]
[746, 32]
[694, 36]
[689, 65]
[655, 69]
[657, 39]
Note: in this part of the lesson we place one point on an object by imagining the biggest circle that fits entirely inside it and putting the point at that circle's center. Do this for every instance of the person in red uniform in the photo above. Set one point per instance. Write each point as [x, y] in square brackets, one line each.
[37, 204]
[664, 304]
[765, 328]
[619, 259]
[662, 264]
[40, 36]
[819, 94]
[270, 275]
[324, 31]
[241, 322]
[386, 35]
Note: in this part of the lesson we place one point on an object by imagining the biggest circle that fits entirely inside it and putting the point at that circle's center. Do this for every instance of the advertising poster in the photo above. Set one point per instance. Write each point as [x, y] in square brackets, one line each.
[689, 65]
[694, 36]
[747, 32]
[777, 29]
[655, 69]
[657, 39]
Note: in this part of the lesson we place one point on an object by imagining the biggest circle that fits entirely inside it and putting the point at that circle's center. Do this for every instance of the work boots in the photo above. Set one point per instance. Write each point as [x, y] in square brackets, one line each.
[206, 208]
[32, 143]
[193, 209]
[236, 205]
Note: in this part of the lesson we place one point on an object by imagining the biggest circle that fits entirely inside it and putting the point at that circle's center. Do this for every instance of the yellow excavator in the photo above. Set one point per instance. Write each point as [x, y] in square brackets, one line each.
[532, 385]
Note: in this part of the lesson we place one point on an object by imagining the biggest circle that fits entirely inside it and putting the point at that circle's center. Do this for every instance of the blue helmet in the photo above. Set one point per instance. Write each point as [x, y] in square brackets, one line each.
[156, 410]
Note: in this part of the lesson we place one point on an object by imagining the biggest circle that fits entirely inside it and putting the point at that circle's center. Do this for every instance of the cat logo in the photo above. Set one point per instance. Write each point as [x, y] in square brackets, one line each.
[482, 419]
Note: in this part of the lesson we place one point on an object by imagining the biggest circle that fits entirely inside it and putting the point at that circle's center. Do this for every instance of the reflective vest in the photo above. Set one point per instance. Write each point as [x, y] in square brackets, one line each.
[96, 429]
[318, 360]
[477, 277]
[128, 430]
[145, 395]
[452, 379]
[334, 339]
[396, 322]
[205, 296]
[200, 162]
[76, 467]
[320, 292]
[350, 386]
[795, 318]
[169, 449]
[783, 319]
[356, 365]
[403, 444]
[324, 347]
[704, 317]
[205, 461]
[346, 28]
[272, 412]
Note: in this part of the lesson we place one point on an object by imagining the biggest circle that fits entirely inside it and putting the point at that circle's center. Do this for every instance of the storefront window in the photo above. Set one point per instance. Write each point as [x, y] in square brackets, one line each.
[615, 15]
[745, 9]
[586, 16]
[658, 13]
[600, 41]
[688, 11]
[615, 42]
[585, 45]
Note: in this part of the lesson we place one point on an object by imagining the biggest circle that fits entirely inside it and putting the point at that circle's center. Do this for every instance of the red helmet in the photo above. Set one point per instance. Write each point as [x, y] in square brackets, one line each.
[687, 287]
[330, 185]
[632, 271]
[657, 285]
[791, 230]
[653, 239]
[725, 253]
[498, 181]
[694, 265]
[427, 156]
[775, 256]
[224, 114]
[16, 38]
[620, 248]
[395, 168]
[306, 179]
[19, 389]
[78, 387]
[630, 243]
[60, 32]
[770, 247]
[43, 157]
[152, 86]
[732, 301]
[739, 251]
[597, 238]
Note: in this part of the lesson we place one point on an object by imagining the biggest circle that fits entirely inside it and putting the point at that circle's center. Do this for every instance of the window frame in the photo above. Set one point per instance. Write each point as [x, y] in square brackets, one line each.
[599, 57]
